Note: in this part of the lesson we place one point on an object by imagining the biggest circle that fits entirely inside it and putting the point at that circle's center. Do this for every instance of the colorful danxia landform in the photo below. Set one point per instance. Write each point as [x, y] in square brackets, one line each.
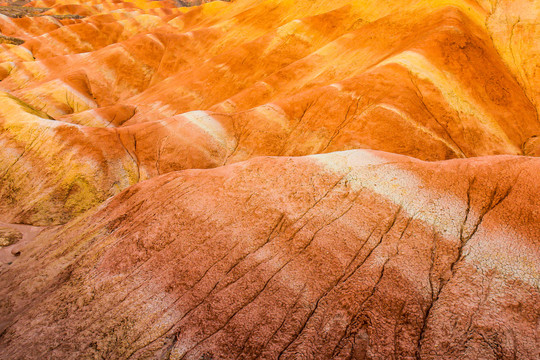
[270, 179]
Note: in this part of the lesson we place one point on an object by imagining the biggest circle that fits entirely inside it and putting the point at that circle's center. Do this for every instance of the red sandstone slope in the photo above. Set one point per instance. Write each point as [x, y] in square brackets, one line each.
[357, 254]
[159, 141]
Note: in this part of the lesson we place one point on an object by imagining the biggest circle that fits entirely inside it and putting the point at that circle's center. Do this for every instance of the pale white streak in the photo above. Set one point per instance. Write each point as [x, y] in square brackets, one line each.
[53, 124]
[53, 20]
[265, 84]
[77, 36]
[451, 90]
[48, 39]
[337, 86]
[8, 20]
[162, 110]
[89, 23]
[224, 67]
[508, 251]
[126, 52]
[143, 21]
[80, 96]
[119, 51]
[22, 76]
[12, 54]
[165, 123]
[83, 55]
[22, 48]
[283, 33]
[417, 125]
[501, 249]
[228, 104]
[153, 37]
[8, 65]
[208, 124]
[131, 13]
[397, 185]
[99, 118]
[35, 68]
[273, 112]
[450, 27]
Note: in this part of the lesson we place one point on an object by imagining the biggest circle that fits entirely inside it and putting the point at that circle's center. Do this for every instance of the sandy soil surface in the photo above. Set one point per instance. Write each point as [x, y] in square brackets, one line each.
[7, 254]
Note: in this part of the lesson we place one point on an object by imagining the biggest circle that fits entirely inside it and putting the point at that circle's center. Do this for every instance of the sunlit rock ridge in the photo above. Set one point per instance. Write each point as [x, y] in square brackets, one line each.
[270, 179]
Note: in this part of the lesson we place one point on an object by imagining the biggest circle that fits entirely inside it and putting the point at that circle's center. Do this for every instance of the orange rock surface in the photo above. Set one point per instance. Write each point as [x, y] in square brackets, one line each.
[270, 179]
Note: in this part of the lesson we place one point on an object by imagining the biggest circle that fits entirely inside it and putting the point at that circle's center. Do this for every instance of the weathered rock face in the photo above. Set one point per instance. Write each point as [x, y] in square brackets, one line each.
[117, 97]
[270, 179]
[356, 254]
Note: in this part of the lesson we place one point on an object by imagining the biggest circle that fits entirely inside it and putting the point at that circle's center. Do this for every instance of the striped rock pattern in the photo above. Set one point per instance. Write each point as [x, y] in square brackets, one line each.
[245, 79]
[270, 179]
[356, 254]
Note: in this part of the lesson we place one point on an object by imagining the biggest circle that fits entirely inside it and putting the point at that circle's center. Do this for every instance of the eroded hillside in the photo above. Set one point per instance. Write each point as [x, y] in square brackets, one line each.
[270, 179]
